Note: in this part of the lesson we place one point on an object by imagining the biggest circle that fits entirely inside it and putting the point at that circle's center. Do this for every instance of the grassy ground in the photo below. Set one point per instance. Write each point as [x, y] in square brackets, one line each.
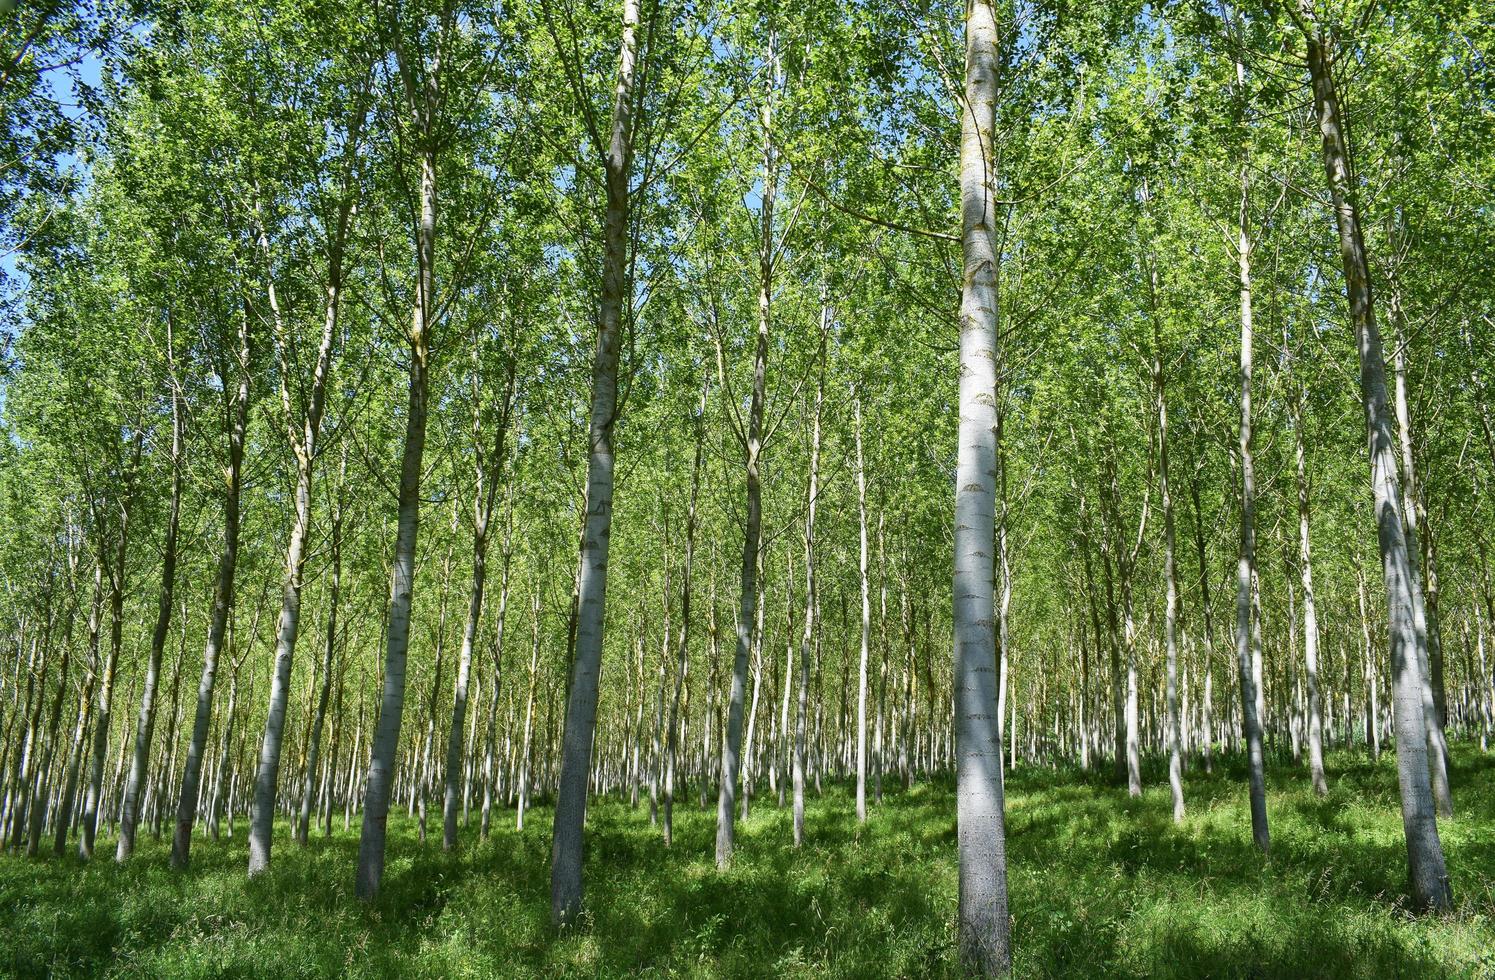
[1101, 886]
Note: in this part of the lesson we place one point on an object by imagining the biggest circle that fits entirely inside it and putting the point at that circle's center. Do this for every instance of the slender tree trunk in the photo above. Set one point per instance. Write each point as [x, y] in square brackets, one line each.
[421, 785]
[1207, 702]
[1415, 525]
[69, 788]
[304, 430]
[812, 608]
[752, 439]
[749, 755]
[1310, 607]
[486, 479]
[527, 751]
[1133, 709]
[1372, 692]
[1170, 572]
[225, 748]
[1250, 693]
[386, 738]
[26, 777]
[866, 620]
[1484, 691]
[93, 801]
[879, 741]
[1118, 687]
[489, 793]
[1429, 876]
[43, 786]
[657, 735]
[682, 661]
[164, 777]
[712, 721]
[983, 931]
[223, 600]
[786, 733]
[1095, 625]
[329, 649]
[145, 723]
[581, 710]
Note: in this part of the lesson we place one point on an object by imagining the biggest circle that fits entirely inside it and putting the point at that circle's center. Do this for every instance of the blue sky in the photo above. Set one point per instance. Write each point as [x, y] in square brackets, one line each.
[61, 86]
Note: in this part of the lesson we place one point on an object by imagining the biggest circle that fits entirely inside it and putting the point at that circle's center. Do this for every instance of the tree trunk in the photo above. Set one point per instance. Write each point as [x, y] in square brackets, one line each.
[812, 608]
[581, 710]
[498, 646]
[1250, 694]
[1428, 874]
[1310, 608]
[752, 439]
[1207, 702]
[866, 619]
[1170, 569]
[303, 438]
[93, 802]
[328, 650]
[1415, 525]
[223, 601]
[386, 738]
[527, 750]
[145, 723]
[983, 931]
[1372, 692]
[683, 652]
[486, 479]
[420, 788]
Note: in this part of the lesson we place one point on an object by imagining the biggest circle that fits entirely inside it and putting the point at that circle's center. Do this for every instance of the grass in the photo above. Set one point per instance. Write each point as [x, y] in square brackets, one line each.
[1101, 885]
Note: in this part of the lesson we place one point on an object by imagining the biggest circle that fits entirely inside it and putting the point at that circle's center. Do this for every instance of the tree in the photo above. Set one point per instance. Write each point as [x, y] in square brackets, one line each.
[581, 707]
[983, 930]
[303, 410]
[1429, 877]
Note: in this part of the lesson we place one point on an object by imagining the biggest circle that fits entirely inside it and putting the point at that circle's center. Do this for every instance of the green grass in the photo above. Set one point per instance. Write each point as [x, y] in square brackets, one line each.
[1101, 886]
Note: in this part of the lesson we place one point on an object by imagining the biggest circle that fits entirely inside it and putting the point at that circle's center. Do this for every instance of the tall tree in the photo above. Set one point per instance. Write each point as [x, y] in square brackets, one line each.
[422, 57]
[303, 410]
[1428, 874]
[983, 928]
[581, 706]
[235, 410]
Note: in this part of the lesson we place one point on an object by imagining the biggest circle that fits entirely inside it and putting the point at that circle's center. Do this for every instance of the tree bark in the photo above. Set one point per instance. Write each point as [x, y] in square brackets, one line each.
[223, 601]
[1429, 876]
[329, 649]
[145, 723]
[1170, 568]
[866, 618]
[1207, 702]
[489, 775]
[812, 608]
[1310, 607]
[581, 709]
[486, 473]
[93, 800]
[1415, 524]
[753, 523]
[386, 737]
[682, 660]
[1245, 564]
[304, 430]
[526, 751]
[984, 931]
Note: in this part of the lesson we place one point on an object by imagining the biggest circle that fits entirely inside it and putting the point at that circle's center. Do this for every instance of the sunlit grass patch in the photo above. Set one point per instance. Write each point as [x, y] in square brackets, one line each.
[1101, 885]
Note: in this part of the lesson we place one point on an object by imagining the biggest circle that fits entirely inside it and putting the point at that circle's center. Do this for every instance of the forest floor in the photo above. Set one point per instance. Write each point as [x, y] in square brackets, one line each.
[1101, 885]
